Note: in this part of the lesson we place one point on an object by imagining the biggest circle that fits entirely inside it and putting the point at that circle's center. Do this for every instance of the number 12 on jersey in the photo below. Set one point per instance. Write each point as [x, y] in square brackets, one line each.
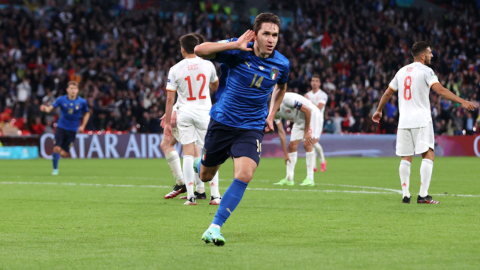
[407, 84]
[190, 91]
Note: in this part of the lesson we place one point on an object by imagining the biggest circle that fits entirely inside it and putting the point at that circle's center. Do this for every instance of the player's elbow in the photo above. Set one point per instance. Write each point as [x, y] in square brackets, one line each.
[199, 50]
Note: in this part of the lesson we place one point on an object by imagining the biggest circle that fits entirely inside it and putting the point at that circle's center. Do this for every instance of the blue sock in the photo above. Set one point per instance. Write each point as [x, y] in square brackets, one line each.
[55, 158]
[231, 198]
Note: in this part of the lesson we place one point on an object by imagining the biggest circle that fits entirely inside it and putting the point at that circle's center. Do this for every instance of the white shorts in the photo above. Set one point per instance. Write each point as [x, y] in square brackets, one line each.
[192, 126]
[316, 128]
[412, 141]
[175, 133]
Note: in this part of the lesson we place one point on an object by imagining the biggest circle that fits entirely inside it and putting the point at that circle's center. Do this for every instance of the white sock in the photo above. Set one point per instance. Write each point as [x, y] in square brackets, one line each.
[214, 226]
[174, 162]
[189, 174]
[199, 185]
[426, 170]
[404, 171]
[291, 165]
[214, 187]
[319, 150]
[310, 163]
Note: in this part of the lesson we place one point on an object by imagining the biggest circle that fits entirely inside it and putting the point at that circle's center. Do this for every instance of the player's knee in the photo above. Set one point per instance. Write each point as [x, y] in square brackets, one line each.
[63, 153]
[244, 176]
[164, 145]
[206, 176]
[57, 149]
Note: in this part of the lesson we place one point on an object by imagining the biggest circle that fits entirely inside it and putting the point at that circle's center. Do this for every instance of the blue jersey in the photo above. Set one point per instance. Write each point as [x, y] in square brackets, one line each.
[71, 112]
[222, 81]
[249, 83]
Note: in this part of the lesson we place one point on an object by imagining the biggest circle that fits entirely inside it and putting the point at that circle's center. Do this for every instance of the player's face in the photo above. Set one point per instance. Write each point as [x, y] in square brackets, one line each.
[267, 38]
[315, 83]
[72, 91]
[428, 56]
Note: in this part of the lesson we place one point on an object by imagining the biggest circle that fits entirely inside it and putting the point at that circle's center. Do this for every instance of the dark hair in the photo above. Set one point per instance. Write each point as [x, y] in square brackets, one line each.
[265, 18]
[200, 38]
[316, 75]
[188, 43]
[419, 47]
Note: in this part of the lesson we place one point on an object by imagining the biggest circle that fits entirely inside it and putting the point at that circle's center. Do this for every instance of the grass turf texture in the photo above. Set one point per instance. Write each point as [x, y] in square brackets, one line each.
[113, 225]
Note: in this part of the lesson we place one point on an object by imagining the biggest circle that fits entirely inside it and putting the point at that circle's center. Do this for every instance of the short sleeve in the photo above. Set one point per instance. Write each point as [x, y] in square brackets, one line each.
[323, 99]
[284, 74]
[291, 103]
[57, 102]
[394, 83]
[85, 107]
[213, 76]
[171, 81]
[226, 57]
[430, 77]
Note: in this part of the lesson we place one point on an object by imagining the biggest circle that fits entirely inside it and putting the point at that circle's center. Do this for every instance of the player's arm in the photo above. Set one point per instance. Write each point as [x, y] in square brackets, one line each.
[46, 109]
[321, 105]
[445, 93]
[277, 97]
[283, 140]
[168, 114]
[86, 116]
[209, 50]
[214, 86]
[308, 114]
[383, 101]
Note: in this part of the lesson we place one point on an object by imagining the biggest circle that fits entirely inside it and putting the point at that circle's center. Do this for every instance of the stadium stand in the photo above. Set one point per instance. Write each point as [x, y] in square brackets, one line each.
[122, 59]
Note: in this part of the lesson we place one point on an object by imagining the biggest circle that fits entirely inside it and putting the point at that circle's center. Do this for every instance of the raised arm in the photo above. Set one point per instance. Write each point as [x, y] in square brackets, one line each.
[277, 97]
[385, 98]
[209, 50]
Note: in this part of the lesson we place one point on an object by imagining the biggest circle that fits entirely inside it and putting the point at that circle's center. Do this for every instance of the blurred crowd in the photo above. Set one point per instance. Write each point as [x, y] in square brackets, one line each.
[121, 59]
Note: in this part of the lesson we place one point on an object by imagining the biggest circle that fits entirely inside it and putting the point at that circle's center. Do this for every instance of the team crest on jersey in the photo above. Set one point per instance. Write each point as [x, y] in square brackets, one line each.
[77, 106]
[274, 73]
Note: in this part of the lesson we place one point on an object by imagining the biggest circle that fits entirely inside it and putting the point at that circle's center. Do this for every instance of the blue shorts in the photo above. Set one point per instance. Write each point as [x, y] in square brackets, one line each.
[64, 138]
[222, 142]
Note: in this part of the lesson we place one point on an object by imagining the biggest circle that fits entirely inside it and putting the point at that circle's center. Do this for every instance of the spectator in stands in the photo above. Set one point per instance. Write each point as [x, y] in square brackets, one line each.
[38, 128]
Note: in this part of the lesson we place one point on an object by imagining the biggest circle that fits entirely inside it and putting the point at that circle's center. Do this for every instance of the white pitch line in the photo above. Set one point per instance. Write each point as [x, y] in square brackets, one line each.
[257, 189]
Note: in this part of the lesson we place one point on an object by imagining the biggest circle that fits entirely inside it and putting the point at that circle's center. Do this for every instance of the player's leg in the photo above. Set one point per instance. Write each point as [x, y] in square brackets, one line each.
[310, 160]
[199, 184]
[188, 172]
[246, 150]
[425, 144]
[292, 155]
[173, 160]
[405, 148]
[58, 141]
[215, 197]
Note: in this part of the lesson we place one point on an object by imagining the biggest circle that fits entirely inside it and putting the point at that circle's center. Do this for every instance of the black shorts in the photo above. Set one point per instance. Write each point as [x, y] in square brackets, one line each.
[222, 142]
[64, 138]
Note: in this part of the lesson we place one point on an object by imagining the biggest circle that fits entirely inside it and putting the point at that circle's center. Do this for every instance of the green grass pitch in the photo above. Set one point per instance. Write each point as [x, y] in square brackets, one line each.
[110, 214]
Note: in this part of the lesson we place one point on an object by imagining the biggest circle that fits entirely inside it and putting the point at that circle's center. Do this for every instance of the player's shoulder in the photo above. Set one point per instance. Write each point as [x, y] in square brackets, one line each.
[281, 59]
[81, 99]
[309, 94]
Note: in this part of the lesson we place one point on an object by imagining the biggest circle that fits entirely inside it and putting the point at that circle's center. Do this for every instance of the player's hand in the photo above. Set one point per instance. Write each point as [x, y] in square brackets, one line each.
[244, 39]
[162, 121]
[269, 127]
[167, 132]
[468, 105]
[307, 139]
[173, 119]
[43, 108]
[81, 129]
[377, 116]
[286, 157]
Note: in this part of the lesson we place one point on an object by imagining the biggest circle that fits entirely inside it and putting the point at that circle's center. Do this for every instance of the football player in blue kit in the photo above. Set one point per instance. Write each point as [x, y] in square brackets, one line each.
[239, 117]
[72, 108]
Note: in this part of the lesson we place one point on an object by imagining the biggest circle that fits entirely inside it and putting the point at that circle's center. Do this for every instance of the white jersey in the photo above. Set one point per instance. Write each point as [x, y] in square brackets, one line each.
[317, 98]
[413, 83]
[191, 78]
[290, 108]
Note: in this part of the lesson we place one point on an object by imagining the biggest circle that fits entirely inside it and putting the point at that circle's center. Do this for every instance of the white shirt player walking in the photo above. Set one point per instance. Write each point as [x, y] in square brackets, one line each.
[307, 127]
[319, 99]
[415, 128]
[192, 78]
